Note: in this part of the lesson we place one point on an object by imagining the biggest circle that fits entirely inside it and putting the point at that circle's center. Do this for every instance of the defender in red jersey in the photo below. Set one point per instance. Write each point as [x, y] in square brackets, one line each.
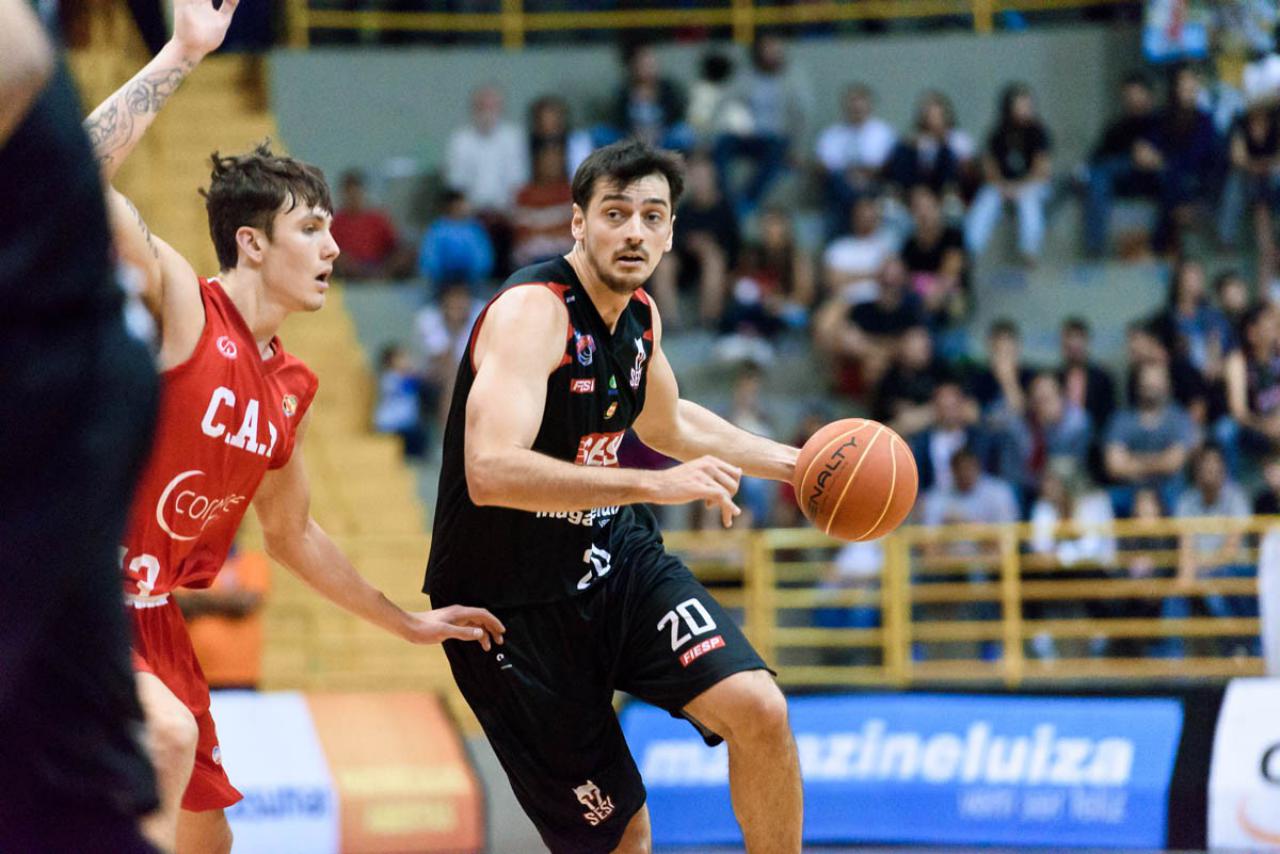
[234, 409]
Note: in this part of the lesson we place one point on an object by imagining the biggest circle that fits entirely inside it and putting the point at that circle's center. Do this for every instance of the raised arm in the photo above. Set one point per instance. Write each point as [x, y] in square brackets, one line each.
[686, 431]
[297, 541]
[120, 121]
[26, 61]
[519, 346]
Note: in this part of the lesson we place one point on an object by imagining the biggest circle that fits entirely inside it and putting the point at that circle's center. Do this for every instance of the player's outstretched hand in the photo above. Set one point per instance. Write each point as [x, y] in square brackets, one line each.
[706, 479]
[200, 28]
[456, 622]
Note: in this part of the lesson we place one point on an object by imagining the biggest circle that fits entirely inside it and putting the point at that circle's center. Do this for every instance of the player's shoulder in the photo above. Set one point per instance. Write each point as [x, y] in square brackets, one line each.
[533, 295]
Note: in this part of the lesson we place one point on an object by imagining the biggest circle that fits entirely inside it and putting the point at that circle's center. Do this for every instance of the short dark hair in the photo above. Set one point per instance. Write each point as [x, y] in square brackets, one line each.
[1003, 326]
[1138, 78]
[250, 189]
[1076, 323]
[1220, 280]
[624, 162]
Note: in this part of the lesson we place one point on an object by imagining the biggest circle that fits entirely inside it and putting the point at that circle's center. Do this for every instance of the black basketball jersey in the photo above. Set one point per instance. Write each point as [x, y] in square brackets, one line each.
[497, 556]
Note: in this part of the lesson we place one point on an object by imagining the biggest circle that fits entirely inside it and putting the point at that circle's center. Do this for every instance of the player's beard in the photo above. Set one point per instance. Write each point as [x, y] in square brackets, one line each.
[617, 284]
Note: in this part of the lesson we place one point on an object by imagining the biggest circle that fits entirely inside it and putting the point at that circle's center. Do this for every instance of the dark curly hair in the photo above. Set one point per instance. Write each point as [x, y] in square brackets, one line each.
[250, 189]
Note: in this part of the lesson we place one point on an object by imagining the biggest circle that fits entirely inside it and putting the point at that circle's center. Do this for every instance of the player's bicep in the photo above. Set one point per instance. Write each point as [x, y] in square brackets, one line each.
[519, 345]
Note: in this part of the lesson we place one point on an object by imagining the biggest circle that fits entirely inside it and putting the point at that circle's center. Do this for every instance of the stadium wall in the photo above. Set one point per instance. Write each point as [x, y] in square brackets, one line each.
[344, 107]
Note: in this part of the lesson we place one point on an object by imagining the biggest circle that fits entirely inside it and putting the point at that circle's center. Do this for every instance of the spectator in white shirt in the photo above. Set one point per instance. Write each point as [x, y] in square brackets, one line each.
[851, 264]
[487, 160]
[853, 152]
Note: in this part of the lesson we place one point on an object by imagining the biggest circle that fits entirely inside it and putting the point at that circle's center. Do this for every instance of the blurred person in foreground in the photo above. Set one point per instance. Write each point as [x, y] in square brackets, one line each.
[78, 403]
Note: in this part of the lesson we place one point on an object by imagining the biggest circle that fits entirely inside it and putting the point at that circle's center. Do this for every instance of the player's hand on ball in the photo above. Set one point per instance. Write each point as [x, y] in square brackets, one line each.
[456, 622]
[200, 28]
[706, 479]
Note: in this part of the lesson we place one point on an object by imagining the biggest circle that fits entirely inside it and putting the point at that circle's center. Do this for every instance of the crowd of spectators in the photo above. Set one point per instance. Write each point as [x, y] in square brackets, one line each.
[876, 279]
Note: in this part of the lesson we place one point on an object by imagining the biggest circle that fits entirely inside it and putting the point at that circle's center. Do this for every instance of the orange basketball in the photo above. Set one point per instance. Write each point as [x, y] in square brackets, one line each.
[856, 479]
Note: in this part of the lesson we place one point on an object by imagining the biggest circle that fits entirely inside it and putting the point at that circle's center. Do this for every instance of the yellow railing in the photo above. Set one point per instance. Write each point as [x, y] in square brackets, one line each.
[742, 17]
[1004, 605]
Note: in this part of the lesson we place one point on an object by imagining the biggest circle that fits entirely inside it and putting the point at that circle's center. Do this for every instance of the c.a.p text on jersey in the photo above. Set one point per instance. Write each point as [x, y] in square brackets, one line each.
[227, 416]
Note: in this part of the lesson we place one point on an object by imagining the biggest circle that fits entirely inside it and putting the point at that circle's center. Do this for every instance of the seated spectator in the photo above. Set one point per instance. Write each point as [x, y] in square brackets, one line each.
[1253, 386]
[777, 98]
[1267, 500]
[456, 246]
[1050, 431]
[704, 250]
[1066, 496]
[225, 620]
[972, 497]
[1142, 559]
[1212, 555]
[399, 406]
[544, 211]
[1148, 445]
[935, 155]
[853, 153]
[1231, 297]
[1186, 152]
[1005, 378]
[549, 125]
[747, 411]
[863, 336]
[649, 106]
[1018, 169]
[1115, 167]
[937, 264]
[713, 110]
[487, 161]
[853, 261]
[1253, 185]
[1085, 383]
[953, 425]
[773, 288]
[370, 247]
[1146, 344]
[903, 398]
[1198, 330]
[444, 330]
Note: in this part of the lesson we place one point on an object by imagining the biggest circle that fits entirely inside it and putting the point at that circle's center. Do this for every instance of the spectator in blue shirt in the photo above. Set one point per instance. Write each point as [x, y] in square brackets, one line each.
[456, 246]
[1149, 445]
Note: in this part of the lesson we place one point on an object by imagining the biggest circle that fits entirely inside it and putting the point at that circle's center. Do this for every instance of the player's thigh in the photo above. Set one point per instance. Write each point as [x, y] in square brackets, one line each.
[172, 732]
[681, 641]
[206, 832]
[544, 703]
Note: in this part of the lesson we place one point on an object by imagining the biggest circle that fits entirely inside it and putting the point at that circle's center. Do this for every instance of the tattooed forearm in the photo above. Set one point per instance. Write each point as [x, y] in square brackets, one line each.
[115, 127]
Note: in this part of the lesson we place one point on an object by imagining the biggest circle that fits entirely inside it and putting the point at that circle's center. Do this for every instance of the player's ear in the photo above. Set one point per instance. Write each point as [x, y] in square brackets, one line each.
[671, 234]
[251, 242]
[578, 226]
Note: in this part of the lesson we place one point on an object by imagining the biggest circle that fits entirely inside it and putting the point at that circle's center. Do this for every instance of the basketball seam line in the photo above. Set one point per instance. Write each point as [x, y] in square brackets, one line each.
[893, 482]
[826, 448]
[852, 476]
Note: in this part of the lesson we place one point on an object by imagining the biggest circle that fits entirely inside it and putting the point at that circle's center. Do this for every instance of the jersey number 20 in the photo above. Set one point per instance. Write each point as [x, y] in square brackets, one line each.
[698, 624]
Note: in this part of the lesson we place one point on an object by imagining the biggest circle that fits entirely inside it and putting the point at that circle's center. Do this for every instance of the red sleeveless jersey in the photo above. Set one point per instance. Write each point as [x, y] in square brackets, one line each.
[226, 417]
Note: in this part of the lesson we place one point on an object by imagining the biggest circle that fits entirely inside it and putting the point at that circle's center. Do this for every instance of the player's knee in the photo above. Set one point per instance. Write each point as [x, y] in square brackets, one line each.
[173, 734]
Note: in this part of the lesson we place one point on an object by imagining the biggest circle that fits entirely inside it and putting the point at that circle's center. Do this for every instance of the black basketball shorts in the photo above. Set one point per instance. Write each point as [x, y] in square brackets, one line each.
[545, 696]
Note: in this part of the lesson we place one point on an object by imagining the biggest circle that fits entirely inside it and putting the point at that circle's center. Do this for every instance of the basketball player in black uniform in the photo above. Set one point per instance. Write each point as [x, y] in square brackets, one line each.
[536, 521]
[77, 399]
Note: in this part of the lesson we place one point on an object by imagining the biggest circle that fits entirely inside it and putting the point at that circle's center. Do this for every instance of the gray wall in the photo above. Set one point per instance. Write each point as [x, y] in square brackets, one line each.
[358, 107]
